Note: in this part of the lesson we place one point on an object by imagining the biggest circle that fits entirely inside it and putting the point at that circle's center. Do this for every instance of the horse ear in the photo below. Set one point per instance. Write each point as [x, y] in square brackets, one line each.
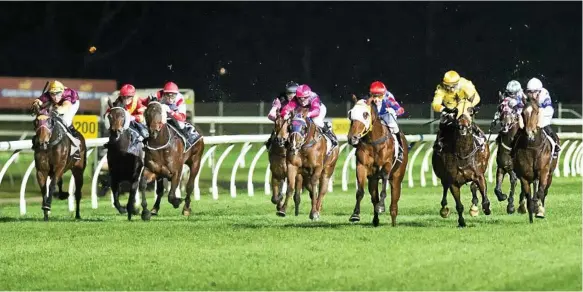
[354, 98]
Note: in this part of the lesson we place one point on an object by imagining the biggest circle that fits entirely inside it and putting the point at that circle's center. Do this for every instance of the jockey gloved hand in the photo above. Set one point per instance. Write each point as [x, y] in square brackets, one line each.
[449, 110]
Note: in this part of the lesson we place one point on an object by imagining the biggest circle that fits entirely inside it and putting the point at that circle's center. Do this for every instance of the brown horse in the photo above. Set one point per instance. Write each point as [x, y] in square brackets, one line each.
[165, 155]
[52, 158]
[509, 121]
[461, 161]
[533, 161]
[307, 157]
[375, 158]
[278, 166]
[125, 159]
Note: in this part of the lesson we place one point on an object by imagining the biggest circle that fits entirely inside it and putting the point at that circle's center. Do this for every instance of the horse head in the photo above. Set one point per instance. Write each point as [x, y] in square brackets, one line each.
[530, 116]
[43, 125]
[119, 119]
[298, 129]
[155, 118]
[361, 118]
[508, 118]
[281, 131]
[464, 116]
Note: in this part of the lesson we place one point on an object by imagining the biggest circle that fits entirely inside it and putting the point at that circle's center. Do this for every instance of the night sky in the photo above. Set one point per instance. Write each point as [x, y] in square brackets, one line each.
[335, 47]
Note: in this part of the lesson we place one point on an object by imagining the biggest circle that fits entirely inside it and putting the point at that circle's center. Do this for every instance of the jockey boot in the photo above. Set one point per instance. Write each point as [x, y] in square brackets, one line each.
[327, 130]
[270, 140]
[76, 134]
[555, 137]
[398, 136]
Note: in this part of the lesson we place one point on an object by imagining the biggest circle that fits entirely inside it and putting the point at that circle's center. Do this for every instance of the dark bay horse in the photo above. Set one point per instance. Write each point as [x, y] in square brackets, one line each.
[166, 153]
[125, 159]
[509, 121]
[52, 158]
[533, 161]
[375, 158]
[307, 156]
[462, 161]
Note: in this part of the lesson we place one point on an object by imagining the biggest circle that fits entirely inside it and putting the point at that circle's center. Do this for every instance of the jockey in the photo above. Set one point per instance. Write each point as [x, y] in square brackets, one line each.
[278, 103]
[305, 97]
[447, 95]
[535, 89]
[135, 107]
[388, 108]
[66, 102]
[173, 103]
[512, 99]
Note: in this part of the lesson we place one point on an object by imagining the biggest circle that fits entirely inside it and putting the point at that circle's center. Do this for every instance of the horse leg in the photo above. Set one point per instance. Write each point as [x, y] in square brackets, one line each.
[61, 195]
[78, 177]
[281, 207]
[159, 194]
[485, 200]
[360, 179]
[383, 196]
[500, 173]
[194, 168]
[525, 186]
[395, 196]
[444, 212]
[132, 200]
[323, 189]
[41, 178]
[474, 211]
[172, 199]
[373, 189]
[513, 180]
[298, 193]
[115, 186]
[275, 184]
[540, 194]
[314, 180]
[459, 207]
[142, 183]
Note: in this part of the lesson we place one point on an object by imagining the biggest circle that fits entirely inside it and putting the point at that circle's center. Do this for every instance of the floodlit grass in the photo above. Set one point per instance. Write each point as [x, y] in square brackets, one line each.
[239, 244]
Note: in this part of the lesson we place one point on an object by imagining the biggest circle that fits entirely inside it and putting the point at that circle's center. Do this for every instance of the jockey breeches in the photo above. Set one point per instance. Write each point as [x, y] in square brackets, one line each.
[68, 116]
[319, 120]
[390, 119]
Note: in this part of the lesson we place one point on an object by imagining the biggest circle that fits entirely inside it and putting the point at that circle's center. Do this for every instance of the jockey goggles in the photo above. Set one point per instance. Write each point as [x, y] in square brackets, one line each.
[531, 91]
[55, 93]
[450, 87]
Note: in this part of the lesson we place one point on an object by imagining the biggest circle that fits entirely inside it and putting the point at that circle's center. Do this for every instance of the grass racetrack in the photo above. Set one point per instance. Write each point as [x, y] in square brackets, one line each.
[240, 244]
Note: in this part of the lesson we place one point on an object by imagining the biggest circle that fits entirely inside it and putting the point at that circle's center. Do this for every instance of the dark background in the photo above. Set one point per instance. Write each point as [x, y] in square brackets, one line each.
[335, 47]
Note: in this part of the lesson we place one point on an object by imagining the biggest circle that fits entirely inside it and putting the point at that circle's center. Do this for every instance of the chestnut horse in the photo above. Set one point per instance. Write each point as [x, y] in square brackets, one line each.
[278, 166]
[461, 161]
[375, 158]
[165, 155]
[125, 159]
[509, 121]
[52, 158]
[307, 157]
[533, 161]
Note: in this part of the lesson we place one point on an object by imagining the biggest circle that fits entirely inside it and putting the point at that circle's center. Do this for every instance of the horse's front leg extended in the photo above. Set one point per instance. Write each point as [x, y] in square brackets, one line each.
[361, 173]
[172, 199]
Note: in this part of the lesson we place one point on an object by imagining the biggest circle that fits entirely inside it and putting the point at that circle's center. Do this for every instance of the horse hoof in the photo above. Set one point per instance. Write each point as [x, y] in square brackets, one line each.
[354, 218]
[381, 209]
[146, 215]
[154, 212]
[501, 196]
[275, 200]
[176, 203]
[280, 213]
[540, 213]
[522, 209]
[487, 212]
[474, 211]
[122, 210]
[136, 211]
[444, 212]
[375, 221]
[63, 195]
[316, 217]
[510, 209]
[186, 212]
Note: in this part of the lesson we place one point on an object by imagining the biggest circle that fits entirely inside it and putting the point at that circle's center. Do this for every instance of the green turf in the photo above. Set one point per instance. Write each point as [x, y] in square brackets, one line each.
[239, 244]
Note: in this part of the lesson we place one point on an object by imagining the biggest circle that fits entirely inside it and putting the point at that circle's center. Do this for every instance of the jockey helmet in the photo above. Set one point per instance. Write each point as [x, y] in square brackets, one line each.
[291, 87]
[56, 86]
[377, 88]
[513, 87]
[127, 90]
[534, 84]
[303, 91]
[450, 80]
[170, 87]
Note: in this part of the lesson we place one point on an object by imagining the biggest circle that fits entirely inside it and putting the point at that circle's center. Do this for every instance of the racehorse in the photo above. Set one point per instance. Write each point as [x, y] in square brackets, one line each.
[509, 121]
[125, 159]
[376, 158]
[461, 161]
[533, 161]
[308, 161]
[166, 153]
[53, 157]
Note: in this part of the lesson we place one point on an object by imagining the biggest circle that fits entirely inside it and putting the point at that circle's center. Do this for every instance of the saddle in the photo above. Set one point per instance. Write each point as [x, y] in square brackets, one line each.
[189, 136]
